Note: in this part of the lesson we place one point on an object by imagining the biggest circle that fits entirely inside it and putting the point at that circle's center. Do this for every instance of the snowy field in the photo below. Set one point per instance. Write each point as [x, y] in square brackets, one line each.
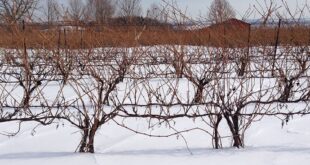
[176, 92]
[267, 143]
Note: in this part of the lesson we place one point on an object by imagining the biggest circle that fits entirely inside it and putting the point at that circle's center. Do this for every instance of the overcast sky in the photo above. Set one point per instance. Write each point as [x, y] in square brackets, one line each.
[196, 8]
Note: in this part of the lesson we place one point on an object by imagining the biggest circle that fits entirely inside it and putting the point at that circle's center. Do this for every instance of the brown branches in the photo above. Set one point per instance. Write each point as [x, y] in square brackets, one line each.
[89, 81]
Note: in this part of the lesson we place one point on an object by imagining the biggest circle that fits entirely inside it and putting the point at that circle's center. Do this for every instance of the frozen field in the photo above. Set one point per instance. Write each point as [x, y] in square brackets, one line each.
[189, 99]
[266, 143]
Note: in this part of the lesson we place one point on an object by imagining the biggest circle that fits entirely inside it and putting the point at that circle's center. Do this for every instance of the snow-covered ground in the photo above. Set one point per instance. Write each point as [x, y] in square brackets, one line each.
[266, 143]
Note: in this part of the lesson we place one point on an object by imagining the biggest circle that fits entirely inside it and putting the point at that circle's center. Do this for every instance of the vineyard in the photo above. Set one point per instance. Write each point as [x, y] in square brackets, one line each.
[226, 88]
[99, 83]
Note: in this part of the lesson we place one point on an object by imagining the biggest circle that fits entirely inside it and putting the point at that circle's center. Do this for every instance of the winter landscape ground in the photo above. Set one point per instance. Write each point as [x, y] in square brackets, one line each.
[152, 115]
[99, 82]
[267, 143]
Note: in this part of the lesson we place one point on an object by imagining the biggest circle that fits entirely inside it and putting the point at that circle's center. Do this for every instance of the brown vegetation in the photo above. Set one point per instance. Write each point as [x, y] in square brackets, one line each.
[230, 34]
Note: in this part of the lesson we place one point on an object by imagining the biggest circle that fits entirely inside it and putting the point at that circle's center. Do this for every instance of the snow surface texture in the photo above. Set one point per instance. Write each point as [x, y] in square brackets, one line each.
[266, 143]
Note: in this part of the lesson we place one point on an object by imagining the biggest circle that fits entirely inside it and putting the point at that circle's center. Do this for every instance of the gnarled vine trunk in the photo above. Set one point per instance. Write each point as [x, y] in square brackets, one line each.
[216, 135]
[88, 137]
[233, 124]
[198, 94]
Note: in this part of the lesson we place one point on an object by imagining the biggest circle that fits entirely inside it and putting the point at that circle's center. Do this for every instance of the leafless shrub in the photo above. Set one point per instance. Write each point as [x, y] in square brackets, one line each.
[220, 11]
[13, 11]
[99, 10]
[52, 11]
[76, 10]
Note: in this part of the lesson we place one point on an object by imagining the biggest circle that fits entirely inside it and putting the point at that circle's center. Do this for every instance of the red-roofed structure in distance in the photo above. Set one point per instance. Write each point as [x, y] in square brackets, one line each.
[231, 30]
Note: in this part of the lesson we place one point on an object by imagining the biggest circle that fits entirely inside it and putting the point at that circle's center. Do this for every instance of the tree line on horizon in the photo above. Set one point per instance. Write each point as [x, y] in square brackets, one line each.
[102, 11]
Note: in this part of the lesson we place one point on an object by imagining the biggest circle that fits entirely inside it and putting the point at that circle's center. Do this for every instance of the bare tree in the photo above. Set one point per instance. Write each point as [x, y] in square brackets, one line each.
[220, 10]
[266, 9]
[76, 10]
[52, 11]
[130, 8]
[30, 78]
[154, 11]
[99, 10]
[12, 11]
[92, 103]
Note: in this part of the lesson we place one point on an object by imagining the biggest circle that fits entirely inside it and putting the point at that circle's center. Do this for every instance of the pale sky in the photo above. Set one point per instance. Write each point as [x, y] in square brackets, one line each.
[196, 8]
